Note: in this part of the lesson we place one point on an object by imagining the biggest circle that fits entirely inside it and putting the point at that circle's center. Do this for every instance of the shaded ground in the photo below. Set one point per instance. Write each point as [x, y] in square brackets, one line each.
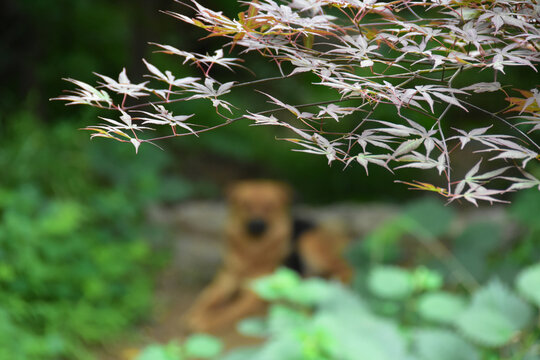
[197, 229]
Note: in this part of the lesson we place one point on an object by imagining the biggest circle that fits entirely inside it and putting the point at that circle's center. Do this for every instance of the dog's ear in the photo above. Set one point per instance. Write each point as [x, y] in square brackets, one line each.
[232, 190]
[286, 192]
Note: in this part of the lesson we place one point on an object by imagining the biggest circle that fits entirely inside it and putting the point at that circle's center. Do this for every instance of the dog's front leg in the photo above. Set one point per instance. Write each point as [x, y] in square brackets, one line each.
[248, 303]
[214, 296]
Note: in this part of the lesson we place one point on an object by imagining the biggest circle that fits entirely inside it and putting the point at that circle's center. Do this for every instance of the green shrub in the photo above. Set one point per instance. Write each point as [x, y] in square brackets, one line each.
[75, 264]
[340, 324]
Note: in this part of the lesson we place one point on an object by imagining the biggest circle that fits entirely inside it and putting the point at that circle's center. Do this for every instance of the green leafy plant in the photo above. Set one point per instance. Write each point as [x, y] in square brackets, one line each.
[440, 307]
[494, 316]
[199, 346]
[340, 324]
[75, 267]
[442, 344]
[390, 282]
[419, 312]
[527, 283]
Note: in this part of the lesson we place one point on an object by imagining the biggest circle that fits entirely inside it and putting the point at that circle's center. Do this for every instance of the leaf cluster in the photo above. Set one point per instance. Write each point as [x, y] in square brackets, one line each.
[76, 269]
[393, 69]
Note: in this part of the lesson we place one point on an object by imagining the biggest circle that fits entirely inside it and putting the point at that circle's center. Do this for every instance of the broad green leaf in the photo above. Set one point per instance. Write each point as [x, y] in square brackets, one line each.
[528, 283]
[390, 282]
[317, 342]
[436, 344]
[280, 347]
[171, 351]
[442, 307]
[254, 326]
[153, 352]
[311, 292]
[343, 302]
[282, 319]
[494, 316]
[363, 336]
[286, 284]
[486, 327]
[202, 346]
[242, 353]
[278, 285]
[496, 295]
[426, 279]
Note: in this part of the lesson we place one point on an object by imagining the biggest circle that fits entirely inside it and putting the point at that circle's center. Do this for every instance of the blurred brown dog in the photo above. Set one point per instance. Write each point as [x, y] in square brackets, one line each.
[260, 237]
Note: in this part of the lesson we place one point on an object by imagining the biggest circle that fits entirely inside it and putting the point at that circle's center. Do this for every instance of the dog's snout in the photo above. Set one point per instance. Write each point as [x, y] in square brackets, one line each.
[256, 227]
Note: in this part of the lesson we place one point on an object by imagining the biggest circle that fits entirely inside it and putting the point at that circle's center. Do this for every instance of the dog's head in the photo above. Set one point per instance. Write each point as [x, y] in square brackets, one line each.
[259, 204]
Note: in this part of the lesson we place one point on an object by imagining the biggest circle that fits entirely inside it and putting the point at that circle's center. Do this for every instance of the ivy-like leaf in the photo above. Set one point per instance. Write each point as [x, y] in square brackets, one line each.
[494, 316]
[441, 307]
[202, 346]
[431, 344]
[528, 283]
[390, 282]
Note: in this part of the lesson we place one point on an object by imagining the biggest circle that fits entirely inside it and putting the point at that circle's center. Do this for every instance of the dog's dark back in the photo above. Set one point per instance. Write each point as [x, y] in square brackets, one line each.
[294, 261]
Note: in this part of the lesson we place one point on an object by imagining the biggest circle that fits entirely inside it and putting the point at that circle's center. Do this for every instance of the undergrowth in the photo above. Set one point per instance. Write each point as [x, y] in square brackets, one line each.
[422, 291]
[76, 264]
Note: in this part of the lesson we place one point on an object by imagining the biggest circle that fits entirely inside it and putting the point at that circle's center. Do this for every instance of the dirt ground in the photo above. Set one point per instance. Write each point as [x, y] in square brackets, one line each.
[168, 324]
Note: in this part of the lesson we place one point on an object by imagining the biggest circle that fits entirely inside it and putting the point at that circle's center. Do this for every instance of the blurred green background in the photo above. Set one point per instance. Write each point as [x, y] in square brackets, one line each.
[77, 258]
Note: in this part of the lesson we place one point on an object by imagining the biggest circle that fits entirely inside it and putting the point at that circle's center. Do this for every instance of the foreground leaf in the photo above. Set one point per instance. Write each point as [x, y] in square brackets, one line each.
[441, 307]
[431, 344]
[494, 316]
[528, 283]
[202, 346]
[390, 282]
